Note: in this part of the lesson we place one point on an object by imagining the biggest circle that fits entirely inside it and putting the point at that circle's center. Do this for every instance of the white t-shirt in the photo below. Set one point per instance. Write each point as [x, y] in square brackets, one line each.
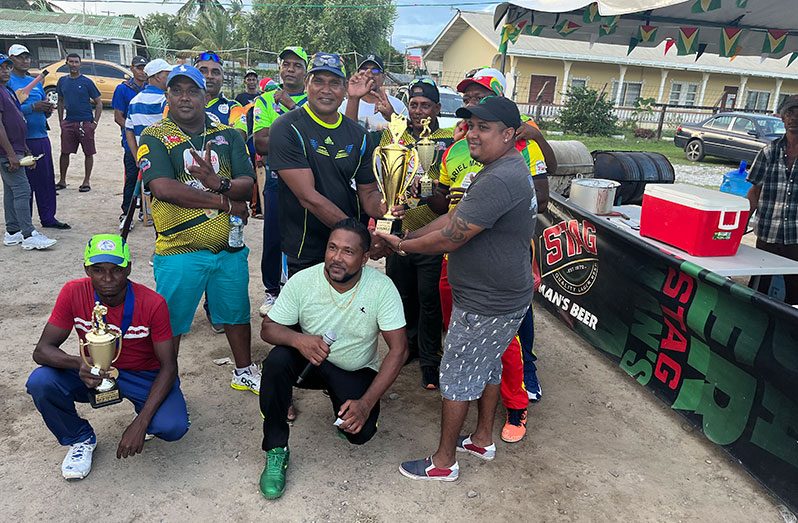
[370, 118]
[309, 300]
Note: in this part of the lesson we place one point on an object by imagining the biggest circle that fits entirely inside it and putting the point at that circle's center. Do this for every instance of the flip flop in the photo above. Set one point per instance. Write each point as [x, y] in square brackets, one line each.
[60, 186]
[84, 188]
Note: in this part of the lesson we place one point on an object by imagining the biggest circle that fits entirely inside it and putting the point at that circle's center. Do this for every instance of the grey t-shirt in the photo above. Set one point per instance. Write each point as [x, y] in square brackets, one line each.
[492, 273]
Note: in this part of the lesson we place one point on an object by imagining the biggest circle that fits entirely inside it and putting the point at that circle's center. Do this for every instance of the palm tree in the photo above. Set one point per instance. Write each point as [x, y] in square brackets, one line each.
[199, 7]
[213, 30]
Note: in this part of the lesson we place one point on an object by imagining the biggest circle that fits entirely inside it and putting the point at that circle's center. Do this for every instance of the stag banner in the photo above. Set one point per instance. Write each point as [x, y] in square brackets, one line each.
[722, 355]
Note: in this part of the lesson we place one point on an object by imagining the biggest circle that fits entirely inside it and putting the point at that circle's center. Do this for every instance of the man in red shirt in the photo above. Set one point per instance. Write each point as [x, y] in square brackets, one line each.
[147, 364]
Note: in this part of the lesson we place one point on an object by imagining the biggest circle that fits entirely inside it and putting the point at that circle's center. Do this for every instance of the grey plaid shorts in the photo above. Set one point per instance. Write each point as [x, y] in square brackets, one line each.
[472, 352]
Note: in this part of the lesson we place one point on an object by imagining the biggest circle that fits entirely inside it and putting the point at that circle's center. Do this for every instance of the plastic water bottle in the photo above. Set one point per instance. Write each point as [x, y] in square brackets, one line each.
[734, 182]
[236, 236]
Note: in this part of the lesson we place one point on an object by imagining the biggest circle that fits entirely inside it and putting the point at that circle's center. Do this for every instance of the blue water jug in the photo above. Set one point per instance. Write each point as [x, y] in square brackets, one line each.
[734, 182]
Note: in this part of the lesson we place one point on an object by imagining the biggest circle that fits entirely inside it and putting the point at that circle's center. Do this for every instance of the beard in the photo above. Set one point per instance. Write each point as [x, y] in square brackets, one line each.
[345, 278]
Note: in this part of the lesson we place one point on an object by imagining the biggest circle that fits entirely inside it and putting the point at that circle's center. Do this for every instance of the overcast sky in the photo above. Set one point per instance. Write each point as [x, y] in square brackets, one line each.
[414, 25]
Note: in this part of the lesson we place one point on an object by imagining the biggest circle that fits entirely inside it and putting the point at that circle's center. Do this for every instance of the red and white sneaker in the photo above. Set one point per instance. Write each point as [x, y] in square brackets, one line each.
[464, 444]
[425, 469]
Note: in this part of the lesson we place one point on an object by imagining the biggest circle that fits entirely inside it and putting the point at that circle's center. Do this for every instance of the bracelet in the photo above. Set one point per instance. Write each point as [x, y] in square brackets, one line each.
[229, 206]
[399, 250]
[221, 202]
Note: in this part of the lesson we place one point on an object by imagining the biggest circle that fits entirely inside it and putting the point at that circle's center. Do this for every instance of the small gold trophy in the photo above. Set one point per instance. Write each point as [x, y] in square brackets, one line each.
[104, 348]
[427, 153]
[391, 168]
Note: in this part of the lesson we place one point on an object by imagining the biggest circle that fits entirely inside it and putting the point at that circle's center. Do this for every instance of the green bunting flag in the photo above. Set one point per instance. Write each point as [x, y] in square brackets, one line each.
[792, 59]
[591, 14]
[606, 30]
[532, 30]
[566, 27]
[729, 41]
[687, 43]
[647, 33]
[632, 44]
[774, 41]
[701, 49]
[705, 6]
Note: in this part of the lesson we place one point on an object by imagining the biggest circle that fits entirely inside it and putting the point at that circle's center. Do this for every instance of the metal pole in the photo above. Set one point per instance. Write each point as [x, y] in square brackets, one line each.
[661, 121]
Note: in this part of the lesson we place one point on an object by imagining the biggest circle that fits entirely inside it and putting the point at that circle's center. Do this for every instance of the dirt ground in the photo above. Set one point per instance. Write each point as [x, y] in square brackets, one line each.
[599, 447]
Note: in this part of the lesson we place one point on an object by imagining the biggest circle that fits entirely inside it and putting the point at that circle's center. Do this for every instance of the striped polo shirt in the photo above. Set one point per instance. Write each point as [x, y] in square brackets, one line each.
[145, 109]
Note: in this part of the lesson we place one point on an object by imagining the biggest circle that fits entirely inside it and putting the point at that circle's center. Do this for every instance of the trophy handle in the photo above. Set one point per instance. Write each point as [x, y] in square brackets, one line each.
[376, 172]
[83, 345]
[118, 348]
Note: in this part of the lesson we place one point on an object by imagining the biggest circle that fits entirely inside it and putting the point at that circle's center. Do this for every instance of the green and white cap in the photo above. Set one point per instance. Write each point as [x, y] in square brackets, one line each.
[300, 52]
[107, 248]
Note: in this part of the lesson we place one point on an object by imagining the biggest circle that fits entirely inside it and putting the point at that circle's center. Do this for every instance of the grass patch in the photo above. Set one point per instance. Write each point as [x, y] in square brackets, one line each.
[664, 147]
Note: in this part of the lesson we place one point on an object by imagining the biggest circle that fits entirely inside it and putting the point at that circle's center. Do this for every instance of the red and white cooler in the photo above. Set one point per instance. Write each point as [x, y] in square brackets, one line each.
[699, 221]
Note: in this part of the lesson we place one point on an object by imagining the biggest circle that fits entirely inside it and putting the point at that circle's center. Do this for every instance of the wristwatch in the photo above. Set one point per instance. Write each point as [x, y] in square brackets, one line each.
[224, 186]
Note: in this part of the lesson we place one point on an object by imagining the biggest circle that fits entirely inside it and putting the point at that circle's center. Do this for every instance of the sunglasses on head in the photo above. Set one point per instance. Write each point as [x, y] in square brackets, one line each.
[422, 81]
[327, 60]
[208, 55]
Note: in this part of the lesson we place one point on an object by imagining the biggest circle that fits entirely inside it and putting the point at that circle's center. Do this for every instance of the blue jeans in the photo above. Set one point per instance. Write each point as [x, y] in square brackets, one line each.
[55, 392]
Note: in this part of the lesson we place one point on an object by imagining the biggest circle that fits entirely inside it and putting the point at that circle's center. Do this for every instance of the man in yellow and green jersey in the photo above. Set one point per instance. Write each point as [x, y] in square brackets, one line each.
[268, 107]
[416, 276]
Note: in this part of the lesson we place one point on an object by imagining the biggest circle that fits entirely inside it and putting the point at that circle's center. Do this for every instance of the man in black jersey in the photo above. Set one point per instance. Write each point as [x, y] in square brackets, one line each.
[323, 161]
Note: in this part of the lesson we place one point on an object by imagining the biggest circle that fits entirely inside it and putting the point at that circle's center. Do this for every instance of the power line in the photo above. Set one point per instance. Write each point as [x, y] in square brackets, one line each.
[291, 6]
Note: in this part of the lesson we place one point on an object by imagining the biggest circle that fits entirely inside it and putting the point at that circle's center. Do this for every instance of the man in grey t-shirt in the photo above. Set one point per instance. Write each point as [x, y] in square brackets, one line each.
[488, 236]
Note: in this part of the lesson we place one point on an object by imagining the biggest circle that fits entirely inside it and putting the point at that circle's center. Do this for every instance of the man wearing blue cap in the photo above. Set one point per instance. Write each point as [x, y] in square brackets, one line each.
[147, 362]
[323, 161]
[200, 176]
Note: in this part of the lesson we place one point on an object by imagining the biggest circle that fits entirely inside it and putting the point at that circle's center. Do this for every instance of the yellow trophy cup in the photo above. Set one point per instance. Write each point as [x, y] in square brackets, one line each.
[427, 154]
[392, 170]
[103, 347]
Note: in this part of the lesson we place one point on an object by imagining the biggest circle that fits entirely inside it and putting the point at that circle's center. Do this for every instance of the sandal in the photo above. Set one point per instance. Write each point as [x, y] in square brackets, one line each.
[84, 188]
[60, 186]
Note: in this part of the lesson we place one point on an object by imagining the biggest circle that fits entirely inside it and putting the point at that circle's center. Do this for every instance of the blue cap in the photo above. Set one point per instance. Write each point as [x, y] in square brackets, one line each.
[190, 72]
[4, 59]
[329, 62]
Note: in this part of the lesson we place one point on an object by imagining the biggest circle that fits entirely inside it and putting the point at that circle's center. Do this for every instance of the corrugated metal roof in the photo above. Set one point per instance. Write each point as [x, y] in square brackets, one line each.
[88, 27]
[562, 49]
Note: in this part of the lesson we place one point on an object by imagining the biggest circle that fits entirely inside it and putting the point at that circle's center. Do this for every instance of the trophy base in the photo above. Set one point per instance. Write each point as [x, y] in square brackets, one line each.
[105, 397]
[389, 226]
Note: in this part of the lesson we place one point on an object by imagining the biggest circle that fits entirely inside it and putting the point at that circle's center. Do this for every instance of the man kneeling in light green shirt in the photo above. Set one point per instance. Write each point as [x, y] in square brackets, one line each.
[340, 300]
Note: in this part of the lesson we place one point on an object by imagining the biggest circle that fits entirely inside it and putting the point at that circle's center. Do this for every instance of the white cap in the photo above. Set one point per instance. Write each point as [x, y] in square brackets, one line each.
[156, 66]
[17, 49]
[495, 73]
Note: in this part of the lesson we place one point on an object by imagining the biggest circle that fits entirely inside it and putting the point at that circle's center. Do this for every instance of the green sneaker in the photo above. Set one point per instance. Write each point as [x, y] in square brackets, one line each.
[272, 479]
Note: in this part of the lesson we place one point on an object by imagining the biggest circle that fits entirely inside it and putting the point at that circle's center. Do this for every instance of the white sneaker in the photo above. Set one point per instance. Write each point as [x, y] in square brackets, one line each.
[122, 224]
[13, 239]
[248, 380]
[268, 301]
[77, 463]
[37, 241]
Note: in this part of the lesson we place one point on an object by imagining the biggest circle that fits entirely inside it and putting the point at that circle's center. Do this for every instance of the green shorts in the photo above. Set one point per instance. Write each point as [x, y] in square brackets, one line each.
[182, 279]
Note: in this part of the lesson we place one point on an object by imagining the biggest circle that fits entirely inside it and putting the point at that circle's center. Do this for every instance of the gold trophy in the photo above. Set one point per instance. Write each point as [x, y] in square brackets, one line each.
[104, 348]
[391, 168]
[427, 153]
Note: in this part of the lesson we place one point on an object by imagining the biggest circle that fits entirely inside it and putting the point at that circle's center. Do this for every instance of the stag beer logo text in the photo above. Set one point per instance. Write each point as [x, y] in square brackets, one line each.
[570, 255]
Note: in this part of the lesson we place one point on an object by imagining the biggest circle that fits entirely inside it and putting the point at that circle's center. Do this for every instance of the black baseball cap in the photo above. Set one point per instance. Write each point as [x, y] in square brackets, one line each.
[493, 109]
[787, 104]
[138, 60]
[425, 88]
[374, 59]
[330, 62]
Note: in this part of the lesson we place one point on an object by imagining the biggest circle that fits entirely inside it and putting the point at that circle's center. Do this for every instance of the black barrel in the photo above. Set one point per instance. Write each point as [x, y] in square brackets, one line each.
[633, 170]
